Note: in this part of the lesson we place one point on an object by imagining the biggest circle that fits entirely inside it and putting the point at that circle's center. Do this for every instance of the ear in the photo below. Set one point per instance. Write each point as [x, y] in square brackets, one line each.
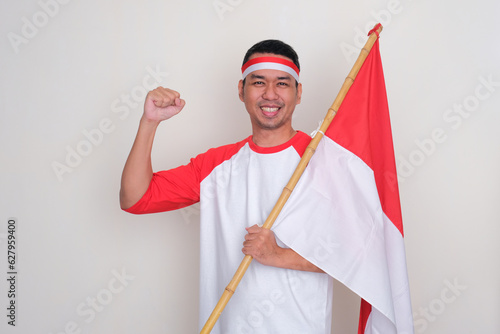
[299, 93]
[240, 90]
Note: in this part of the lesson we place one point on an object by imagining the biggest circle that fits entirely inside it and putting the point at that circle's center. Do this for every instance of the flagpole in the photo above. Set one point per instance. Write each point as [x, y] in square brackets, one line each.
[304, 161]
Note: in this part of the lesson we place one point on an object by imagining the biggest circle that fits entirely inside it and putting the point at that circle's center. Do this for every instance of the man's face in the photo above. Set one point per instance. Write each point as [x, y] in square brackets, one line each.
[270, 97]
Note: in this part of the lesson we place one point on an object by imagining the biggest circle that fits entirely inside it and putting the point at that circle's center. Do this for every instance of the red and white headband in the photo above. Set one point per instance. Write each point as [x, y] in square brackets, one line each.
[270, 63]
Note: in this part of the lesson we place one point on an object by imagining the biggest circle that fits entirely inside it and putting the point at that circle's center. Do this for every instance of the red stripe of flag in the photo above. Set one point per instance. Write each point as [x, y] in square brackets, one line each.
[363, 127]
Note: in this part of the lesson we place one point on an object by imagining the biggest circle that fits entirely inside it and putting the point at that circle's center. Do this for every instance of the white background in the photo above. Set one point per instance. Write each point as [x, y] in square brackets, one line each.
[75, 67]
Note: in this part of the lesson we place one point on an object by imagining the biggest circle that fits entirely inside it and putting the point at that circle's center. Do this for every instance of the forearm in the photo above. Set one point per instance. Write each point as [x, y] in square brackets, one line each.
[138, 171]
[260, 243]
[289, 259]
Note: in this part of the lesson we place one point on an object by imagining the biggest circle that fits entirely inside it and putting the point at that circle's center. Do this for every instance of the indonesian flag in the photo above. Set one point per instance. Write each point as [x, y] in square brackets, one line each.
[344, 214]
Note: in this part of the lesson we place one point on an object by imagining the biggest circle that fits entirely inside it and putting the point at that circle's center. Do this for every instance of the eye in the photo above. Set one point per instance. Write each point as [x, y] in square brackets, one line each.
[258, 83]
[283, 84]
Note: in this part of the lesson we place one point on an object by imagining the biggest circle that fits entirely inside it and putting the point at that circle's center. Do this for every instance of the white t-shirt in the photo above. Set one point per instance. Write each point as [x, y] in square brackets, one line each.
[237, 186]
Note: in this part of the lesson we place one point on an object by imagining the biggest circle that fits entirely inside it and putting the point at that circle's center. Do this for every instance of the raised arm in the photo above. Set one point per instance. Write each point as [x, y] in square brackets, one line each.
[161, 104]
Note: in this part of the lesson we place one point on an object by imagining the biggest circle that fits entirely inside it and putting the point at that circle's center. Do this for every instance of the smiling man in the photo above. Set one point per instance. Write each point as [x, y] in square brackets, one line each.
[237, 186]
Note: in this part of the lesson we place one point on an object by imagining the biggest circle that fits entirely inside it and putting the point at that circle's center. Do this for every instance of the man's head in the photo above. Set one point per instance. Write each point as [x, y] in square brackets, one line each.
[270, 86]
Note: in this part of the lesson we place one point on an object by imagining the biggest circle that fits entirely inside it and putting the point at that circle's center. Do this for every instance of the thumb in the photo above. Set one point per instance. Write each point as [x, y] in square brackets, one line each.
[180, 102]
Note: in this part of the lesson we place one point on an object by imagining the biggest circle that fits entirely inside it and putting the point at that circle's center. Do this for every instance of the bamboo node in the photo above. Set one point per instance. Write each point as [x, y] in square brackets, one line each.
[229, 290]
[312, 149]
[365, 50]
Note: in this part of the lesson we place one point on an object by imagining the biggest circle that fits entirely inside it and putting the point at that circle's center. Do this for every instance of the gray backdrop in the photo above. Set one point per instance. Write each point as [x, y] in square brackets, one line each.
[73, 79]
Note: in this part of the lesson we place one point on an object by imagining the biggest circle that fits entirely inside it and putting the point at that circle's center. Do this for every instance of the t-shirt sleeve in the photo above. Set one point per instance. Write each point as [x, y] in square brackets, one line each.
[180, 187]
[170, 190]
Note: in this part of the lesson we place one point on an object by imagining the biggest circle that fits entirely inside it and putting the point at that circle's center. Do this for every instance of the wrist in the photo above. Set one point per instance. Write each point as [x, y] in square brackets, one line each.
[280, 258]
[149, 123]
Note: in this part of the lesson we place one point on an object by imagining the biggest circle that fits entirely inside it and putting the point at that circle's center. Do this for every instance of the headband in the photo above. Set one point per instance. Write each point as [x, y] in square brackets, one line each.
[270, 63]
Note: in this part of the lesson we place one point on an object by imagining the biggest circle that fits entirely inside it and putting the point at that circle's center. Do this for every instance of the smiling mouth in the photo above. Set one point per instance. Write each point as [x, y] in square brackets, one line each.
[270, 111]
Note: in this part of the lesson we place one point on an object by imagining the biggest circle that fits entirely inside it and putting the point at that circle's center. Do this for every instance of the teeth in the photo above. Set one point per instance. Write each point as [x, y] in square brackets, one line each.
[267, 109]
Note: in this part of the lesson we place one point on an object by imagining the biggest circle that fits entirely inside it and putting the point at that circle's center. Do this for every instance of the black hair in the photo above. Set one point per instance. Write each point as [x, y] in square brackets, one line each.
[273, 46]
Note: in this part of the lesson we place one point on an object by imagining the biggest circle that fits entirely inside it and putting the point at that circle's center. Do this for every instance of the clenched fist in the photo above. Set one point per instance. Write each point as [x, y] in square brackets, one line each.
[260, 243]
[161, 104]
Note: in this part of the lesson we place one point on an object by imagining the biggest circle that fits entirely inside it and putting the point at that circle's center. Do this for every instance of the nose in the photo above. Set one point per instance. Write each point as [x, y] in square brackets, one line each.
[270, 93]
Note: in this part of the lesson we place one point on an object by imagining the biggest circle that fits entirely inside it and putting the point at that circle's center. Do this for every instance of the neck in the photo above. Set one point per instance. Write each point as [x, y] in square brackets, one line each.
[271, 138]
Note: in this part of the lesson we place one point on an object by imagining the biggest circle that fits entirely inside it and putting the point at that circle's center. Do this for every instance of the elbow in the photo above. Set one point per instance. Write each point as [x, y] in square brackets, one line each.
[125, 202]
[131, 194]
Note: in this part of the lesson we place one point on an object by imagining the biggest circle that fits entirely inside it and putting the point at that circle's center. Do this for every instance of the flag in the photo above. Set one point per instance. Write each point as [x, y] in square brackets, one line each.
[344, 214]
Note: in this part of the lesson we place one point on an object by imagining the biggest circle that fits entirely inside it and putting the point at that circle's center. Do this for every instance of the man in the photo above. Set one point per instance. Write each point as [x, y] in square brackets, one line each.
[237, 186]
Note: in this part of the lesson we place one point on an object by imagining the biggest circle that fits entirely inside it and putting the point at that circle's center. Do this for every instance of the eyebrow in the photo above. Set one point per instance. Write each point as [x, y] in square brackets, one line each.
[254, 76]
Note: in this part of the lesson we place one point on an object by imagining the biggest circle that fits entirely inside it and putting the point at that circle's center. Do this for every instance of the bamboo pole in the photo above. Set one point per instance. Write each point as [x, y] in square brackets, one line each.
[304, 161]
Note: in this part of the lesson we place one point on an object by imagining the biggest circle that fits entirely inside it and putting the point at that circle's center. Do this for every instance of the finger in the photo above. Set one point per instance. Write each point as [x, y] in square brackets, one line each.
[175, 93]
[163, 97]
[250, 251]
[252, 237]
[254, 229]
[157, 97]
[166, 92]
[158, 93]
[245, 251]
